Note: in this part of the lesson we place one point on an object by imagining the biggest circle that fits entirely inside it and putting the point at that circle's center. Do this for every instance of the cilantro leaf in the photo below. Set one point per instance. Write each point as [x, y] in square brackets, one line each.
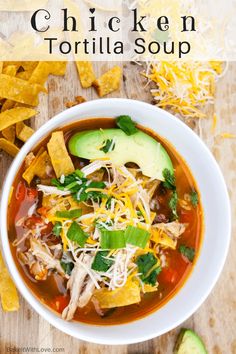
[173, 205]
[147, 265]
[57, 228]
[169, 182]
[76, 234]
[100, 263]
[67, 267]
[194, 198]
[187, 252]
[126, 124]
[108, 146]
[152, 278]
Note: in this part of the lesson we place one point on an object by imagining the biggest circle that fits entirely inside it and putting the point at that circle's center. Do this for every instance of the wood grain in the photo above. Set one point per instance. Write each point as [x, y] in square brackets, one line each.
[215, 320]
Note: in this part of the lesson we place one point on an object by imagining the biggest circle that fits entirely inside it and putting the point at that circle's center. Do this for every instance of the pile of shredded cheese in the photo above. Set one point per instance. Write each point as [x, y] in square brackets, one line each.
[184, 87]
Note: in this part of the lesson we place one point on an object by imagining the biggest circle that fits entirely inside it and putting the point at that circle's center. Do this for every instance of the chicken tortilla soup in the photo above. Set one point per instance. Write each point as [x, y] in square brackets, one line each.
[105, 221]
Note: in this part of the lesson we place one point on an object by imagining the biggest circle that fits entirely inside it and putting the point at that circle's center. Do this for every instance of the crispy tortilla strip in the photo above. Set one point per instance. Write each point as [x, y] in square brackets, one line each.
[9, 133]
[58, 67]
[127, 295]
[15, 115]
[86, 73]
[44, 69]
[24, 75]
[19, 90]
[8, 147]
[1, 66]
[41, 166]
[60, 158]
[10, 70]
[8, 293]
[8, 104]
[29, 65]
[23, 131]
[108, 82]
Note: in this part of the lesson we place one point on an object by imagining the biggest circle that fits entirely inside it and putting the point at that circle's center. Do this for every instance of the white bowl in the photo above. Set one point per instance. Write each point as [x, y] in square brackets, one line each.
[215, 203]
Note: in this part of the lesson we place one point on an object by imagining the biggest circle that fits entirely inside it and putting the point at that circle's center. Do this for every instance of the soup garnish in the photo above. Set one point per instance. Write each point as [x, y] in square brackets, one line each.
[103, 221]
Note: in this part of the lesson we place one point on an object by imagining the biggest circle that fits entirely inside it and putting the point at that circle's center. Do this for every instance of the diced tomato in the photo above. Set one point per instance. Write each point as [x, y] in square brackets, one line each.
[60, 302]
[20, 191]
[32, 193]
[168, 275]
[31, 222]
[186, 216]
[42, 211]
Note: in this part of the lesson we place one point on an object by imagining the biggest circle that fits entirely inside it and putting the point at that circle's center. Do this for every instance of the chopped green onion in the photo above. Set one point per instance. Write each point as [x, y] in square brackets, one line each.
[76, 234]
[112, 239]
[126, 124]
[100, 263]
[136, 236]
[69, 214]
[57, 229]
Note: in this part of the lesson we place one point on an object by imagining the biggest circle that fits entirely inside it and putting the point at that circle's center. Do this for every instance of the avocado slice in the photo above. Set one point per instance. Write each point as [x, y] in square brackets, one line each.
[189, 342]
[139, 148]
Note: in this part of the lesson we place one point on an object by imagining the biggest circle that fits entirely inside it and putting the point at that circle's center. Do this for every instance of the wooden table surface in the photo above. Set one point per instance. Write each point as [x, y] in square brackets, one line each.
[215, 320]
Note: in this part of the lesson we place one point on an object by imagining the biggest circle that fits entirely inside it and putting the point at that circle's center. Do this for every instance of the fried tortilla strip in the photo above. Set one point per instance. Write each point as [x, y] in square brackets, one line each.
[19, 90]
[8, 147]
[23, 131]
[8, 293]
[44, 69]
[108, 82]
[9, 133]
[127, 295]
[15, 115]
[41, 166]
[29, 65]
[10, 70]
[24, 75]
[86, 73]
[60, 158]
[58, 67]
[8, 104]
[1, 66]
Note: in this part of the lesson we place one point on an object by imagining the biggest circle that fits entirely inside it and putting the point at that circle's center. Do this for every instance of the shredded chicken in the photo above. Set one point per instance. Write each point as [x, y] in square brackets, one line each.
[44, 255]
[173, 229]
[75, 285]
[87, 293]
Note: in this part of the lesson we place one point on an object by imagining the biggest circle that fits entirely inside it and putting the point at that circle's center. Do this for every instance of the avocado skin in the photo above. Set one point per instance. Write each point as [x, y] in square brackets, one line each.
[188, 342]
[139, 148]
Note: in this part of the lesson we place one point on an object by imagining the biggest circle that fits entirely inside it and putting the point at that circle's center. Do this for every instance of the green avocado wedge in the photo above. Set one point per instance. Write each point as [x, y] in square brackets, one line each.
[139, 148]
[189, 342]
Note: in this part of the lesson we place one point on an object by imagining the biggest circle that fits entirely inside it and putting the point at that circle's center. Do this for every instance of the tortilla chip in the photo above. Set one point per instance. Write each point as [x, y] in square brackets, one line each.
[86, 73]
[127, 295]
[10, 70]
[15, 115]
[23, 131]
[8, 147]
[108, 82]
[60, 158]
[8, 293]
[9, 133]
[40, 73]
[19, 90]
[40, 167]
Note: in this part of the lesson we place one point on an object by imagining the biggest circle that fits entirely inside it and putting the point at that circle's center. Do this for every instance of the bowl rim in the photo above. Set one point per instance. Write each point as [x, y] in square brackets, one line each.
[61, 120]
